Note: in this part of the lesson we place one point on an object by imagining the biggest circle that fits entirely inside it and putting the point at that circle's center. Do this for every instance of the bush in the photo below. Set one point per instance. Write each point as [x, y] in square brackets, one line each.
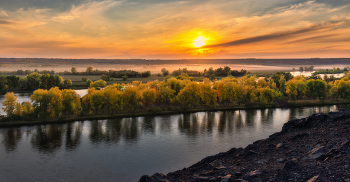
[125, 78]
[84, 79]
[153, 109]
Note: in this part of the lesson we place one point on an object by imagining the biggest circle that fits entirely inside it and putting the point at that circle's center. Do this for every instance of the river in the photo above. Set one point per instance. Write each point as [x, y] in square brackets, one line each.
[124, 149]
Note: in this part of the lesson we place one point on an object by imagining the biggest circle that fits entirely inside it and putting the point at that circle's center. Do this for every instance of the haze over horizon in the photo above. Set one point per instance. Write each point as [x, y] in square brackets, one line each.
[172, 29]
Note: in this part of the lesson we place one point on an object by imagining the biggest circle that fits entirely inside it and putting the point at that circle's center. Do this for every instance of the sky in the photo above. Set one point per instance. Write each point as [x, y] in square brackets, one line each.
[174, 29]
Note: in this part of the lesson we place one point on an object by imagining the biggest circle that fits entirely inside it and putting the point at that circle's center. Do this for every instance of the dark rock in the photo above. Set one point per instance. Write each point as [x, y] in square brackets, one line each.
[158, 176]
[316, 179]
[254, 175]
[291, 153]
[146, 178]
[225, 178]
[271, 146]
[289, 165]
[344, 146]
[239, 180]
[247, 153]
[238, 174]
[280, 145]
[317, 152]
[281, 160]
[299, 136]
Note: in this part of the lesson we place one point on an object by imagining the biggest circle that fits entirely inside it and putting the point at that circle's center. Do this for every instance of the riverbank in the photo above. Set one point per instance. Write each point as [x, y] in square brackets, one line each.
[299, 103]
[316, 148]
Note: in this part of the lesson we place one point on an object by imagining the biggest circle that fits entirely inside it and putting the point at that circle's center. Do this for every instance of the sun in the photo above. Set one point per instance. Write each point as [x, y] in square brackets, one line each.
[199, 41]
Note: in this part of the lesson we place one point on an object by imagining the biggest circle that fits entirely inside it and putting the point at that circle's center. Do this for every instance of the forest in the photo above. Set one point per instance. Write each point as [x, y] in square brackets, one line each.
[174, 94]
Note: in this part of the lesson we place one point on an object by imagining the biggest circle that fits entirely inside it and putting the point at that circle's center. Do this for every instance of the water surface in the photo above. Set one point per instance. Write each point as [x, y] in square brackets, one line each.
[125, 149]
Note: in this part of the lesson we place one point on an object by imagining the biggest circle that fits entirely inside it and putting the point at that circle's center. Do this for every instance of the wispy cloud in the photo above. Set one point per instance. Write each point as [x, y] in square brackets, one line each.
[6, 22]
[283, 35]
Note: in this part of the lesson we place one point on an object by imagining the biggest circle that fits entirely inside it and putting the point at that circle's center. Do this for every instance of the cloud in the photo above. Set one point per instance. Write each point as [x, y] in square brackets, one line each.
[280, 35]
[6, 22]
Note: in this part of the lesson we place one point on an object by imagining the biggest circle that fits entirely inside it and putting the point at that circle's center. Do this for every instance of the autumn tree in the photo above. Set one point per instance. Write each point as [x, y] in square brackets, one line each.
[208, 95]
[55, 102]
[148, 96]
[221, 90]
[9, 103]
[130, 98]
[167, 95]
[189, 95]
[41, 102]
[71, 102]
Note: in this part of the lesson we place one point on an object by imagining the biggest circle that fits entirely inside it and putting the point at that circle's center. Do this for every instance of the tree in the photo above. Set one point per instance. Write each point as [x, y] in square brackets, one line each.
[167, 95]
[317, 89]
[239, 93]
[282, 83]
[70, 102]
[250, 95]
[208, 95]
[105, 77]
[67, 83]
[9, 103]
[292, 89]
[130, 98]
[3, 83]
[98, 84]
[88, 82]
[89, 70]
[189, 95]
[212, 77]
[74, 70]
[41, 101]
[149, 96]
[27, 108]
[165, 72]
[55, 106]
[84, 79]
[114, 99]
[125, 77]
[221, 91]
[18, 109]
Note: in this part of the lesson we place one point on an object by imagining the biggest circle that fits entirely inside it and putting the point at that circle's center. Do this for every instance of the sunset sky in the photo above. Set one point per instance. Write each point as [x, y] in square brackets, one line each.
[172, 29]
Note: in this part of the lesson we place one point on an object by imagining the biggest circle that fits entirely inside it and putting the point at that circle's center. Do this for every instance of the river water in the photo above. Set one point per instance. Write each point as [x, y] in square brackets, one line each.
[124, 149]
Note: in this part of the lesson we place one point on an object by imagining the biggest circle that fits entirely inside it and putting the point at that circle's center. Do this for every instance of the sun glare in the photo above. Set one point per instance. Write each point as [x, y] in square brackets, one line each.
[199, 41]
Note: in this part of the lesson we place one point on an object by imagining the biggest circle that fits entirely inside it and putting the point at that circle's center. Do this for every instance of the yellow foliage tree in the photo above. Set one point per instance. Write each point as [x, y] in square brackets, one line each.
[10, 103]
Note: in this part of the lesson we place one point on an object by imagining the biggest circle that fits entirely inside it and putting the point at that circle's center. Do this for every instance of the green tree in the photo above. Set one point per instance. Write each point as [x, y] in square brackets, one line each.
[98, 84]
[41, 102]
[125, 77]
[89, 70]
[74, 70]
[165, 72]
[67, 83]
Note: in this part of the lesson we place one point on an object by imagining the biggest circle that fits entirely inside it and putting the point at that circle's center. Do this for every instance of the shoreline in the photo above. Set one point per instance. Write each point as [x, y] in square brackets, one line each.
[315, 148]
[311, 103]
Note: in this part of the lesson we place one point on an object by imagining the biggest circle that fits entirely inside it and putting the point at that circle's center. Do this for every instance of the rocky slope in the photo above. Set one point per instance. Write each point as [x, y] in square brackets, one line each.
[315, 148]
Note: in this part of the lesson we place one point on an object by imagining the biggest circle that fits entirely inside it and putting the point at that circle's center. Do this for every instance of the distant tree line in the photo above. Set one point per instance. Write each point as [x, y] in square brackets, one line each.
[33, 81]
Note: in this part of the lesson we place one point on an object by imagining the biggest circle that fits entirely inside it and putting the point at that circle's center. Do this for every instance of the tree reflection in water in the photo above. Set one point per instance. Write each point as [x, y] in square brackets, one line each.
[11, 138]
[73, 135]
[48, 138]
